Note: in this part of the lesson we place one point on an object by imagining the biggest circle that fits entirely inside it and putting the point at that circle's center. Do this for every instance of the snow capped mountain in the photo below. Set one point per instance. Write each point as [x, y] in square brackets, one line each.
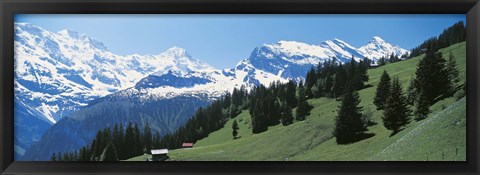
[59, 73]
[56, 73]
[65, 73]
[291, 60]
[377, 47]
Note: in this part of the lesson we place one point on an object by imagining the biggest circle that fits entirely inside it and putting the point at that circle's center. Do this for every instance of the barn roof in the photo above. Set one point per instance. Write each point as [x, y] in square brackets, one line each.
[159, 151]
[187, 144]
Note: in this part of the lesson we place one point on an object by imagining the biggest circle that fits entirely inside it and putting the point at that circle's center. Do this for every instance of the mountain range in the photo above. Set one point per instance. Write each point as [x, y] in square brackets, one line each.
[69, 85]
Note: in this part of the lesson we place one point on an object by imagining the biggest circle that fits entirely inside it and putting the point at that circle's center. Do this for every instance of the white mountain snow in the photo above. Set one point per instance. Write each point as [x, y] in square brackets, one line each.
[57, 73]
[377, 48]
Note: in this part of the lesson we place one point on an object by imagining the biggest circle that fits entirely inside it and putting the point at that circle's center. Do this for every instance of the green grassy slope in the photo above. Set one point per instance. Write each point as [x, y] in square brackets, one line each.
[312, 139]
[421, 144]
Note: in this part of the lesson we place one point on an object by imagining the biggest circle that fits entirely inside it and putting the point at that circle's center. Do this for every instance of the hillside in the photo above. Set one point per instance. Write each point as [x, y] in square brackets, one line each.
[442, 136]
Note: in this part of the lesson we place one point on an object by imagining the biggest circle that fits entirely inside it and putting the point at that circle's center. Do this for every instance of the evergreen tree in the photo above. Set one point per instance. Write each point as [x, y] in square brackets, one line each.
[303, 108]
[287, 116]
[422, 105]
[156, 140]
[397, 113]
[363, 72]
[147, 138]
[227, 100]
[273, 109]
[233, 111]
[138, 144]
[453, 74]
[110, 153]
[348, 123]
[129, 141]
[357, 74]
[84, 154]
[339, 82]
[393, 58]
[118, 137]
[352, 76]
[383, 91]
[431, 76]
[366, 62]
[317, 88]
[411, 92]
[382, 61]
[235, 129]
[259, 109]
[310, 80]
[290, 94]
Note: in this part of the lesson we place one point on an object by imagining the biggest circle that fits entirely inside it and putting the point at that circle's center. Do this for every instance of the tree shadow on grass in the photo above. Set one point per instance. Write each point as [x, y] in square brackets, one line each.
[367, 86]
[396, 132]
[356, 138]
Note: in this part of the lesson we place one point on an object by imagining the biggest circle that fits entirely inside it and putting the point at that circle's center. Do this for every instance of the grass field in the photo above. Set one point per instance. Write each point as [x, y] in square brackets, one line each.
[442, 136]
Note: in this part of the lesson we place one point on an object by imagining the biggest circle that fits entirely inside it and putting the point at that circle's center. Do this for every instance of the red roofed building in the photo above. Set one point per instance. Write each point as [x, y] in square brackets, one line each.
[187, 145]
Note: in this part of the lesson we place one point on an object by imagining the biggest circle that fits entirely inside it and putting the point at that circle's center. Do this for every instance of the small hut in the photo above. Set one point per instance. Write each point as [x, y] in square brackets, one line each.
[187, 145]
[159, 154]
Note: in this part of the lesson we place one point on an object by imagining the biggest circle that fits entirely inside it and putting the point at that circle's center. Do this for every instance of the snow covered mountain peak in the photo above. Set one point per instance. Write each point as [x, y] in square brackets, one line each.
[74, 36]
[177, 52]
[27, 27]
[338, 42]
[58, 72]
[70, 33]
[178, 61]
[377, 48]
[292, 48]
[377, 39]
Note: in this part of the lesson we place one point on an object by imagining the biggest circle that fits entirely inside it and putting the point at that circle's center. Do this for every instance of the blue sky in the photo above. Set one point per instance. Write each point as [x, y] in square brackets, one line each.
[223, 40]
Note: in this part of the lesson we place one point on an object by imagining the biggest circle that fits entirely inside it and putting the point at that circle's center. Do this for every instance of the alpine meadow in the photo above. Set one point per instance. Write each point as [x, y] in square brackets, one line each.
[76, 100]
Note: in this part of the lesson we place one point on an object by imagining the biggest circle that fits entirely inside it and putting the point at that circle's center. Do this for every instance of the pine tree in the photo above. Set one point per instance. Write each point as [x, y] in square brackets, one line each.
[235, 129]
[411, 92]
[453, 74]
[363, 72]
[397, 113]
[357, 74]
[259, 109]
[290, 94]
[382, 61]
[421, 106]
[138, 144]
[109, 153]
[310, 80]
[339, 81]
[287, 116]
[383, 91]
[303, 108]
[348, 123]
[431, 76]
[147, 137]
[317, 89]
[129, 141]
[233, 111]
[352, 76]
[117, 137]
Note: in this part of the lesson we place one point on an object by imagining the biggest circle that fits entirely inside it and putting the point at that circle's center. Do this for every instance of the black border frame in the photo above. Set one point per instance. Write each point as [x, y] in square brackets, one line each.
[10, 7]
